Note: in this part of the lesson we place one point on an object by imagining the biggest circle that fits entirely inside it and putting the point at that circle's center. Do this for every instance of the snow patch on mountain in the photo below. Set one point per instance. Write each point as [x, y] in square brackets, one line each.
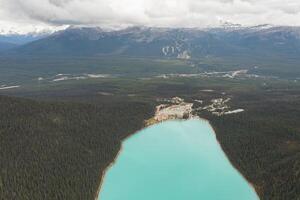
[17, 29]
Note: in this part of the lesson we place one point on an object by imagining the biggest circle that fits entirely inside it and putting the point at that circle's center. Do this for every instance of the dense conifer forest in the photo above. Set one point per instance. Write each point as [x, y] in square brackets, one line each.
[264, 143]
[56, 145]
[59, 150]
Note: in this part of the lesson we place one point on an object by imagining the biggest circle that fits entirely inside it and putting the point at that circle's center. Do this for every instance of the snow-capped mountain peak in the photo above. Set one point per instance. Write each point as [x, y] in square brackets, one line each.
[17, 29]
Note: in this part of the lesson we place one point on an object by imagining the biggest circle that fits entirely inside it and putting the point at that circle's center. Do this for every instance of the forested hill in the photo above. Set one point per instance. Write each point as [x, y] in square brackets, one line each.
[59, 150]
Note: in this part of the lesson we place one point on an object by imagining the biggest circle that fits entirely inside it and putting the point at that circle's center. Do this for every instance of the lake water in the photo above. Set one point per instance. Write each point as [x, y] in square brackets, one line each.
[174, 160]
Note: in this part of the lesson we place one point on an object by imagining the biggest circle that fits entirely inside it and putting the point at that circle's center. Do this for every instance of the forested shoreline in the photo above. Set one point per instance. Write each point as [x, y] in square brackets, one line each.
[49, 149]
[58, 150]
[263, 143]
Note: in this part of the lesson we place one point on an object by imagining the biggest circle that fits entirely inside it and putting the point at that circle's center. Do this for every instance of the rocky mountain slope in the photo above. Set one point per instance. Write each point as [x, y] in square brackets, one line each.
[180, 43]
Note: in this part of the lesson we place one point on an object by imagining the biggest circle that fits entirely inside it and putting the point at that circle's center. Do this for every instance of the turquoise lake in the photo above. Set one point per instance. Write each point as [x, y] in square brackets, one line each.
[174, 160]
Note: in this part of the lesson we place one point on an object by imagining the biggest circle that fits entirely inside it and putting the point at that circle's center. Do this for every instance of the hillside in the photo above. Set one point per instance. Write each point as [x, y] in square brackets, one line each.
[59, 150]
[57, 144]
[6, 46]
[264, 41]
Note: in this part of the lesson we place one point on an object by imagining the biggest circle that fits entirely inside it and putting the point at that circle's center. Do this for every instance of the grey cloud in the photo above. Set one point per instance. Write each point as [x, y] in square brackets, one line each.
[180, 13]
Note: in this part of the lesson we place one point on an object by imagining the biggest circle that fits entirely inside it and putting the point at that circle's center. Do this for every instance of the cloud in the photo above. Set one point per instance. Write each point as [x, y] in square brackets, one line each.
[179, 13]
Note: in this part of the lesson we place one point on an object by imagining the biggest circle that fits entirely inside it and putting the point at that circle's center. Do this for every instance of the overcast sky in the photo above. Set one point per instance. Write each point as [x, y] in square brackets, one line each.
[26, 14]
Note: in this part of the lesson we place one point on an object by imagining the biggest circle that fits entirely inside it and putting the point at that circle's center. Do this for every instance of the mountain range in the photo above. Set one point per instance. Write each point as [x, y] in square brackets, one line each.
[10, 41]
[183, 43]
[12, 37]
[6, 46]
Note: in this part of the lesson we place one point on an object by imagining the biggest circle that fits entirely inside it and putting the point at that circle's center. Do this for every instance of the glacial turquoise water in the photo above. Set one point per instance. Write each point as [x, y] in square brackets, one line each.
[174, 160]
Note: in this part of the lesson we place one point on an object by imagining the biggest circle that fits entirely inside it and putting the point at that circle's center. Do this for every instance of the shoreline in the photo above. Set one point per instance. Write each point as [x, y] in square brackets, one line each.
[146, 125]
[242, 175]
[102, 176]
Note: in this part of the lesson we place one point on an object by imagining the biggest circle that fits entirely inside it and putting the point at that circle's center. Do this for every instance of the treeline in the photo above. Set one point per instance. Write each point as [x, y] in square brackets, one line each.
[59, 150]
[264, 143]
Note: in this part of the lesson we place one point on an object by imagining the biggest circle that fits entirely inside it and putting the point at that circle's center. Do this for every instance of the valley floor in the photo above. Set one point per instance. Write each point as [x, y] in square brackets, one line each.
[56, 145]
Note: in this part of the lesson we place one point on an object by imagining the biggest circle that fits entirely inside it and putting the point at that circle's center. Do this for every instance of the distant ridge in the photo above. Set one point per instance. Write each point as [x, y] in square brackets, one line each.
[16, 35]
[183, 43]
[6, 46]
